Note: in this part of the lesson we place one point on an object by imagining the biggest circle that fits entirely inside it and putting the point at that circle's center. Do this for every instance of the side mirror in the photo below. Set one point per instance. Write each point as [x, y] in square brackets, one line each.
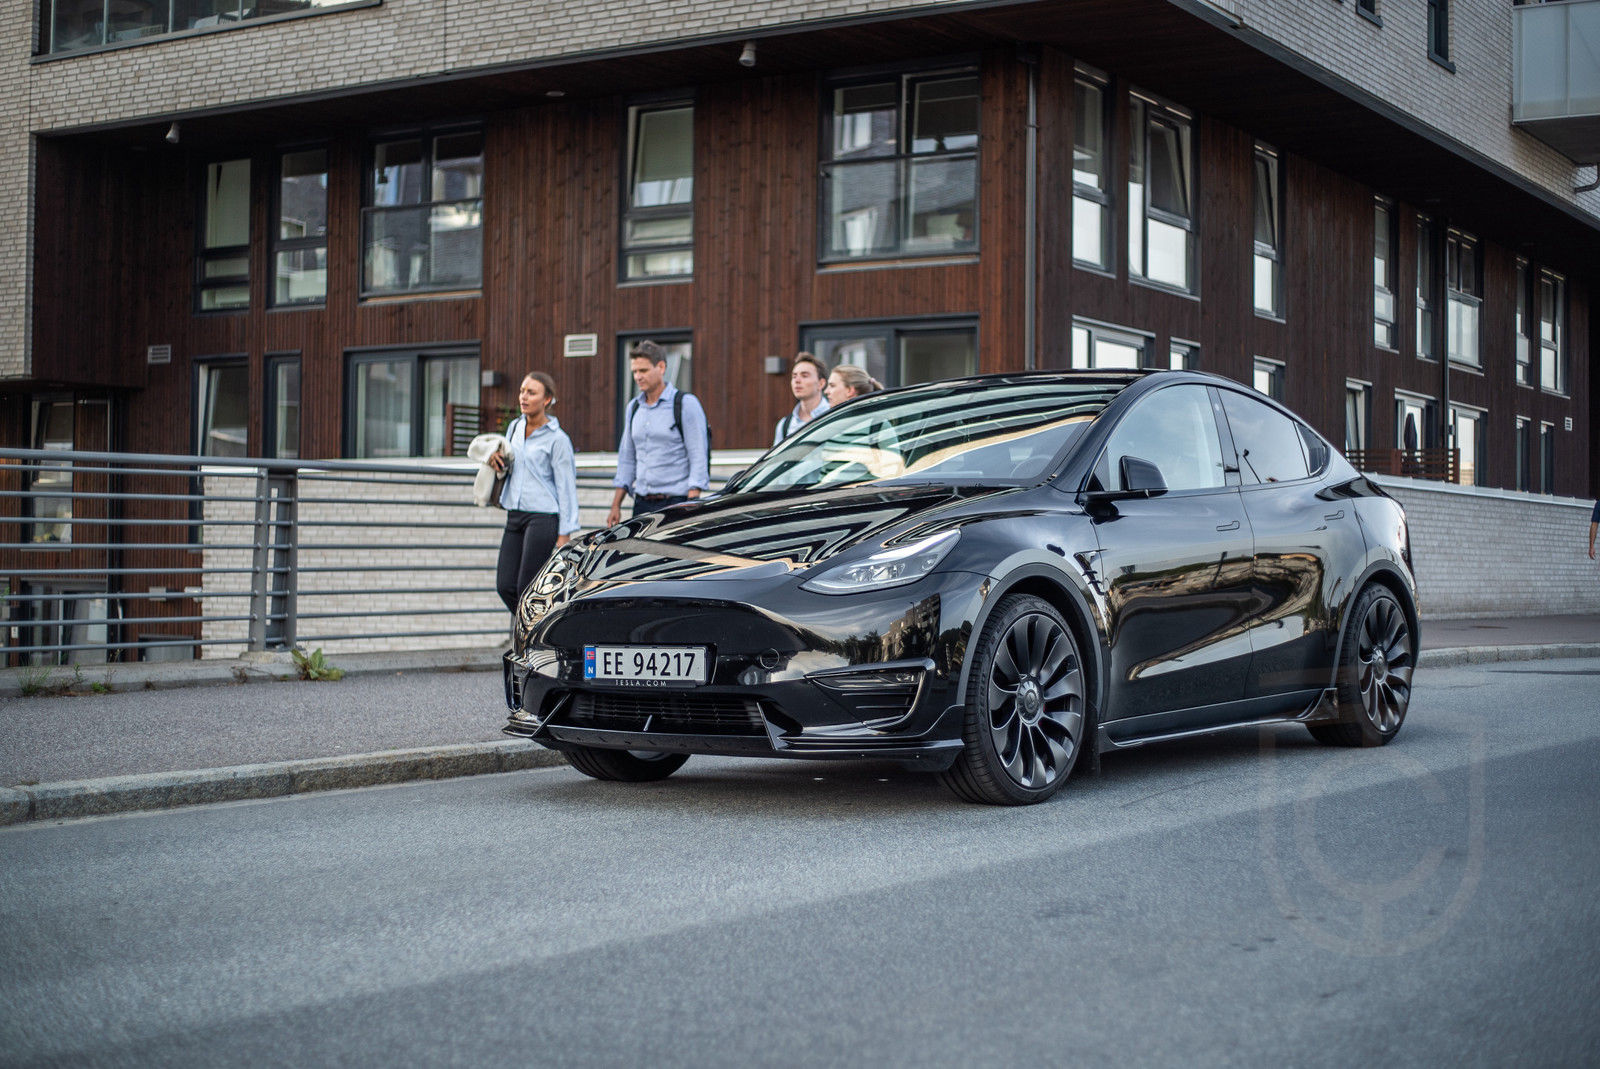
[1141, 475]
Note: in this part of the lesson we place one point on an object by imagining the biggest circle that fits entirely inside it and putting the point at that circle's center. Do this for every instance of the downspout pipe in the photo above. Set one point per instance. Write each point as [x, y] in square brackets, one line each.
[1030, 248]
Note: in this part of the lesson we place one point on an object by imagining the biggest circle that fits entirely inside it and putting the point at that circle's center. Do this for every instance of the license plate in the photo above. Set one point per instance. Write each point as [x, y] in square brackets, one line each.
[657, 666]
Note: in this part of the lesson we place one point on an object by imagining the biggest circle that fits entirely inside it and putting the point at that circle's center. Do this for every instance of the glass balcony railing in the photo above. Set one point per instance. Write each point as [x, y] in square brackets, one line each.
[1555, 81]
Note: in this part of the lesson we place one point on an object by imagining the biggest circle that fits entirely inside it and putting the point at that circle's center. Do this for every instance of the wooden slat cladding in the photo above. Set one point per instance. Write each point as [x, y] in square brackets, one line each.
[115, 271]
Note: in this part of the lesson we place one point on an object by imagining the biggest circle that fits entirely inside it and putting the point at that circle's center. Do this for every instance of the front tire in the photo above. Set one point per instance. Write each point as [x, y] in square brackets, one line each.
[1377, 657]
[1026, 711]
[625, 766]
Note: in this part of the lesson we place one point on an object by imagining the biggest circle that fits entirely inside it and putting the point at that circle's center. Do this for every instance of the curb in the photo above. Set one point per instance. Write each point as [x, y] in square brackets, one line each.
[72, 799]
[1455, 656]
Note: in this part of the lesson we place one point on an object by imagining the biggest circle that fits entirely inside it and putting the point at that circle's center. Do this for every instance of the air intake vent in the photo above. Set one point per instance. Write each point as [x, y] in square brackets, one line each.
[669, 712]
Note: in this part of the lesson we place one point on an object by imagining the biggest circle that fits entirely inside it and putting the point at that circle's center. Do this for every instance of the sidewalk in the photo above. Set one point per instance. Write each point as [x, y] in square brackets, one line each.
[165, 734]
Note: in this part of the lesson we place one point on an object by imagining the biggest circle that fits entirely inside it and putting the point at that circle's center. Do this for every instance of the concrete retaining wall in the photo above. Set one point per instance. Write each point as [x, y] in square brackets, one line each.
[1481, 552]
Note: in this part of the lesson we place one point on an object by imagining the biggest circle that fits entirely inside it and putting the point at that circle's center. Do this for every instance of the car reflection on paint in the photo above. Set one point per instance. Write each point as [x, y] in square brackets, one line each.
[994, 579]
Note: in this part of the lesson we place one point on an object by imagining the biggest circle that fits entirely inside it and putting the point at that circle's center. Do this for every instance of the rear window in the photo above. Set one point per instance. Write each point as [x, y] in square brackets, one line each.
[1269, 443]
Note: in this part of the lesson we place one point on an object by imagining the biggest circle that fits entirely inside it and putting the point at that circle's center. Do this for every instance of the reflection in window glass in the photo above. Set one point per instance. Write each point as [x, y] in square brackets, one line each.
[1357, 415]
[1552, 332]
[1466, 431]
[930, 356]
[53, 431]
[1383, 275]
[423, 226]
[1270, 446]
[1091, 199]
[1160, 183]
[383, 408]
[1268, 233]
[1096, 346]
[300, 246]
[1267, 378]
[1174, 429]
[1427, 289]
[283, 393]
[897, 354]
[1524, 457]
[1183, 356]
[224, 264]
[988, 432]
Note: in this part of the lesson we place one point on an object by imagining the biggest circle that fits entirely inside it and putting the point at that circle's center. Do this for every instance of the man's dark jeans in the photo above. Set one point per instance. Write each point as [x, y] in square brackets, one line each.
[656, 502]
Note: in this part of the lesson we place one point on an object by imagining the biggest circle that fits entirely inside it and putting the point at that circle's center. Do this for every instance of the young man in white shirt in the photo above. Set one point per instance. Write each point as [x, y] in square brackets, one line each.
[806, 380]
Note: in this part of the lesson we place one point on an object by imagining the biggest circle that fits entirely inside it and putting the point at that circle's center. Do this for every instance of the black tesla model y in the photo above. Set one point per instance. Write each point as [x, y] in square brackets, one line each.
[989, 578]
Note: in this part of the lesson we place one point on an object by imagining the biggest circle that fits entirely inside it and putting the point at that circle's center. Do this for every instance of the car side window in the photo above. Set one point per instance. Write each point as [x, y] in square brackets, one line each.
[1269, 443]
[1173, 429]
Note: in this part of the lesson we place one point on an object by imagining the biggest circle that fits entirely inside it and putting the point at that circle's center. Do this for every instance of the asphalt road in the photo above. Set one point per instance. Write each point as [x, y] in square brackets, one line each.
[1252, 899]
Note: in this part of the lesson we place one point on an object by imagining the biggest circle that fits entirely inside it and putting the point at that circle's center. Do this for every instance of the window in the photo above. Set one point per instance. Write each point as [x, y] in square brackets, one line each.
[898, 354]
[1547, 458]
[1270, 446]
[1269, 233]
[1415, 425]
[1383, 275]
[395, 402]
[1161, 239]
[1183, 355]
[1466, 435]
[222, 393]
[658, 218]
[1098, 346]
[1439, 31]
[1175, 430]
[52, 430]
[1524, 324]
[679, 350]
[423, 227]
[282, 426]
[900, 167]
[1357, 415]
[74, 25]
[1463, 297]
[1524, 453]
[224, 261]
[1552, 332]
[1092, 223]
[1369, 9]
[300, 242]
[1267, 378]
[1427, 290]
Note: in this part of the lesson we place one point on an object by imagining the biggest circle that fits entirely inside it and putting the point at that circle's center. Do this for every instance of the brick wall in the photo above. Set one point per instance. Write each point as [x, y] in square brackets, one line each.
[1481, 552]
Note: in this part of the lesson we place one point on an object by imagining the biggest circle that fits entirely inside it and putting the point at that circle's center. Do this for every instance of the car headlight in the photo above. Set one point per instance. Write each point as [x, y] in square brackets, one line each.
[887, 567]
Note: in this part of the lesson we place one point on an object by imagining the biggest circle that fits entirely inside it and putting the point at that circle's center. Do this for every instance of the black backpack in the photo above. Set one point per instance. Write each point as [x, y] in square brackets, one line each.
[677, 419]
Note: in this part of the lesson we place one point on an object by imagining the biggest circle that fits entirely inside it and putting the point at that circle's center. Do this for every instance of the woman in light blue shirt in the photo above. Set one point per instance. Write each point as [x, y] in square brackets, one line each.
[541, 489]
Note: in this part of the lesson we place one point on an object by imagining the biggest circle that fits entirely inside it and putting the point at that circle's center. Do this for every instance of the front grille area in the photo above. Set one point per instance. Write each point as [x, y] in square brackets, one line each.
[669, 712]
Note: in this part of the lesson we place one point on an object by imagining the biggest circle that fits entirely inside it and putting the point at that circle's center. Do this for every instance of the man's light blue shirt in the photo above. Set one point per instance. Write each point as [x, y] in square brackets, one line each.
[798, 419]
[544, 477]
[652, 458]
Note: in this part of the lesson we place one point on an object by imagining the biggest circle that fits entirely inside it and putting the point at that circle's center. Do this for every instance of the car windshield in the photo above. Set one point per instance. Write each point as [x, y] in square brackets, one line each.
[975, 431]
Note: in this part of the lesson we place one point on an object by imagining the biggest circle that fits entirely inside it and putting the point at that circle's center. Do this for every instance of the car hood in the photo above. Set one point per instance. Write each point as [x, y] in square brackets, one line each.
[759, 534]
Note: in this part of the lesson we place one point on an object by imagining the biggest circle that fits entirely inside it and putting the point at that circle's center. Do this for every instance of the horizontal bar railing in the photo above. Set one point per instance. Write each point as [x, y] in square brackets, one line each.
[122, 556]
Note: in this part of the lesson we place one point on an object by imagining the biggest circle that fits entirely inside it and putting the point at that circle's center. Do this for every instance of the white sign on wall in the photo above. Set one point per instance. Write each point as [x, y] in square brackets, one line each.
[580, 345]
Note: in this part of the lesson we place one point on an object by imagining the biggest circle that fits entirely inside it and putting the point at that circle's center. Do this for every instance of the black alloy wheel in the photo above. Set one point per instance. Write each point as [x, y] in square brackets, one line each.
[626, 766]
[1377, 658]
[1025, 707]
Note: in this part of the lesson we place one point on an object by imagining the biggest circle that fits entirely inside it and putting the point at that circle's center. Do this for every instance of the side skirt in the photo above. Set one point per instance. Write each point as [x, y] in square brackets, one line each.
[1323, 708]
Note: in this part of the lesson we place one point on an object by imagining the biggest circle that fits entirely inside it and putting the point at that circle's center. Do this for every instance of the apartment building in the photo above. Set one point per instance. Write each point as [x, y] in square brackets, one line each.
[313, 228]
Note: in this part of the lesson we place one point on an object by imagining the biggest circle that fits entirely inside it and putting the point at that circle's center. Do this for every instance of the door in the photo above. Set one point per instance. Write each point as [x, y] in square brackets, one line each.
[1175, 568]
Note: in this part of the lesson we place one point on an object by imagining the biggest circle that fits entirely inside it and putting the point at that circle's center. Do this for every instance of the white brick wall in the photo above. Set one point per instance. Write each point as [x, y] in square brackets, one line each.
[1493, 553]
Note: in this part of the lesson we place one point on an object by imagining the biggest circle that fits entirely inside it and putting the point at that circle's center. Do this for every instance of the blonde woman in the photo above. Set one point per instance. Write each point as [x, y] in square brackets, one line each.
[541, 489]
[847, 381]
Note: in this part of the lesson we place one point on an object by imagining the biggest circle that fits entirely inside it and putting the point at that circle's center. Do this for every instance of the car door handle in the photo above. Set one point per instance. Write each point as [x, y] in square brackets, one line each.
[1231, 525]
[1335, 515]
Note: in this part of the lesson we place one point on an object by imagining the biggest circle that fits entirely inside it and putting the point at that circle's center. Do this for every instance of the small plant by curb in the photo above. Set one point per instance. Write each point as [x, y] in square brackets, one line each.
[314, 666]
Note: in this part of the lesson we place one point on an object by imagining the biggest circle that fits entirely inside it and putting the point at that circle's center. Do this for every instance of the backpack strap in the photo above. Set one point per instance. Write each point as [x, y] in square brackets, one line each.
[787, 420]
[677, 414]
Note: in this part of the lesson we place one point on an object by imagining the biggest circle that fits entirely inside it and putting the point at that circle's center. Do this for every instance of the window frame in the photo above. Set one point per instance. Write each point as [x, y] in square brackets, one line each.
[1388, 285]
[1368, 9]
[428, 135]
[269, 410]
[906, 81]
[417, 357]
[203, 368]
[1363, 390]
[1479, 418]
[44, 38]
[1556, 346]
[1100, 198]
[627, 213]
[1463, 290]
[1547, 457]
[1147, 112]
[205, 253]
[1096, 331]
[1429, 256]
[894, 332]
[1277, 376]
[1438, 29]
[1271, 254]
[1522, 438]
[1183, 355]
[1524, 341]
[38, 405]
[1428, 429]
[279, 244]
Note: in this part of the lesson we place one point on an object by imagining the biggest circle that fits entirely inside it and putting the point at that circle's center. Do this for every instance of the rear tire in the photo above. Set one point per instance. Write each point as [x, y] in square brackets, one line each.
[625, 766]
[1026, 708]
[1377, 656]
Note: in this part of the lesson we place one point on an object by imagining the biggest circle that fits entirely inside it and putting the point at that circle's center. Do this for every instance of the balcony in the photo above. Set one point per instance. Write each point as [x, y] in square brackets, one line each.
[1555, 75]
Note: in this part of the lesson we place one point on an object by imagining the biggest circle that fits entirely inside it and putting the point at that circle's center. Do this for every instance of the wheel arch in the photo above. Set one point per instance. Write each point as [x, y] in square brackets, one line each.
[1387, 576]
